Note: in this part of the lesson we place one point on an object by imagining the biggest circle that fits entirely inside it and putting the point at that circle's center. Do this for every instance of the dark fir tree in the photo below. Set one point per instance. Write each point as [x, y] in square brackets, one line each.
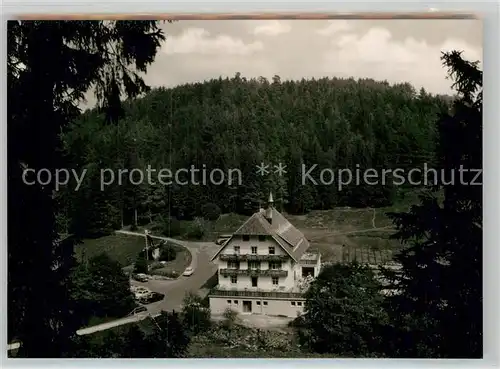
[439, 310]
[343, 311]
[50, 66]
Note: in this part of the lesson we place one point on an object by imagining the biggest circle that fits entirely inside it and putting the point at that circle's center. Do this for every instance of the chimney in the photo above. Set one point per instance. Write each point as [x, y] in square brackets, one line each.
[269, 209]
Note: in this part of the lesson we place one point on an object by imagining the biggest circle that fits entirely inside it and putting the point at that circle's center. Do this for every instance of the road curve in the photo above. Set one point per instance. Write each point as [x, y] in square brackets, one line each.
[175, 290]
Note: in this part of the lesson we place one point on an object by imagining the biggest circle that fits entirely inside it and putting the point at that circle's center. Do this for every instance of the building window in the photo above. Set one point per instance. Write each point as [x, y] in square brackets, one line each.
[299, 303]
[237, 250]
[254, 265]
[228, 301]
[254, 281]
[246, 238]
[254, 249]
[271, 250]
[233, 265]
[293, 303]
[236, 302]
[265, 302]
[262, 238]
[276, 281]
[234, 279]
[275, 265]
[257, 302]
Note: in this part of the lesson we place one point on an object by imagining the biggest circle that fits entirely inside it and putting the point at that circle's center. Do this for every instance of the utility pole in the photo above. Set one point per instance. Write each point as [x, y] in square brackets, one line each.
[147, 244]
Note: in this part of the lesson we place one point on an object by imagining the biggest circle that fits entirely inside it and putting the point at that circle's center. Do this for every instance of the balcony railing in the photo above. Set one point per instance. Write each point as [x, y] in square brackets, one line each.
[256, 293]
[252, 257]
[308, 262]
[255, 272]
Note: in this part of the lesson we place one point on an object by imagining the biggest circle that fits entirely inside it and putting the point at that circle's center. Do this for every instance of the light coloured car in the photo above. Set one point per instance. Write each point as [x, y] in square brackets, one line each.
[189, 271]
[141, 292]
[222, 239]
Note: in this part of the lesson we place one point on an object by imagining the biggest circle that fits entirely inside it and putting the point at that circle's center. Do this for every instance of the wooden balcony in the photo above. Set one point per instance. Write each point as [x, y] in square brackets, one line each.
[252, 257]
[255, 272]
[218, 292]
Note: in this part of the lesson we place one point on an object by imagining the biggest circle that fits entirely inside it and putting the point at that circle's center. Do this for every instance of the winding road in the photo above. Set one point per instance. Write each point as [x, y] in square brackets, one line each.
[175, 290]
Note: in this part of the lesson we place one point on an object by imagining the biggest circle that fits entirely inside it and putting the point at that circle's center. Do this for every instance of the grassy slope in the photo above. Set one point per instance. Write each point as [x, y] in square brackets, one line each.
[119, 247]
[125, 248]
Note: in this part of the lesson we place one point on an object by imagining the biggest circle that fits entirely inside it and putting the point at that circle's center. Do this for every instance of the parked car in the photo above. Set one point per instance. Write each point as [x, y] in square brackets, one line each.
[189, 271]
[222, 239]
[140, 292]
[151, 297]
[139, 309]
[141, 277]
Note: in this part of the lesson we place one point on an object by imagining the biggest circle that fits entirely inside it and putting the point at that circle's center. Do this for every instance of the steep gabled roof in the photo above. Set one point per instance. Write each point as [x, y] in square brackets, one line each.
[291, 240]
[254, 226]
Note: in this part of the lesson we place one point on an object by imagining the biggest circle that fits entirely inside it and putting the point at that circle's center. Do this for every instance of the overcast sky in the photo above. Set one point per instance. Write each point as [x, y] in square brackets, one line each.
[392, 50]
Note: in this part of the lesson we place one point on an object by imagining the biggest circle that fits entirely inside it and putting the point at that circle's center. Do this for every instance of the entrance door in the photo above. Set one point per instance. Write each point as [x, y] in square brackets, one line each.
[307, 271]
[247, 306]
[254, 281]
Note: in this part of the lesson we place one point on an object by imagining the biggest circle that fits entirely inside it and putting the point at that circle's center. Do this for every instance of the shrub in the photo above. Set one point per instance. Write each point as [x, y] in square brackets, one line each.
[298, 322]
[156, 265]
[157, 227]
[168, 253]
[165, 273]
[141, 264]
[230, 317]
[142, 220]
[171, 226]
[210, 211]
[195, 316]
[197, 229]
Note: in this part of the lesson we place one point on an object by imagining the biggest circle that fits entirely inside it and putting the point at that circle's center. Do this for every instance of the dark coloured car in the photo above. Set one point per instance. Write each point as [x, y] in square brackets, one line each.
[140, 277]
[152, 297]
[138, 310]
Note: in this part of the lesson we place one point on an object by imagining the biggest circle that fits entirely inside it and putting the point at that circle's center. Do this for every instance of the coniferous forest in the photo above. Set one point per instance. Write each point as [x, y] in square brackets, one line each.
[240, 123]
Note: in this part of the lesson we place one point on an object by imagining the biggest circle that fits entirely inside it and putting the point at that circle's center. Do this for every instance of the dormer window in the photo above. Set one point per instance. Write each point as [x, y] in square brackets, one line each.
[262, 238]
[246, 238]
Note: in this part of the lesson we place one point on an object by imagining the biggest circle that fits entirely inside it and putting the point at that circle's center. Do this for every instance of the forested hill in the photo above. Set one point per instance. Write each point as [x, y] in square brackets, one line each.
[239, 123]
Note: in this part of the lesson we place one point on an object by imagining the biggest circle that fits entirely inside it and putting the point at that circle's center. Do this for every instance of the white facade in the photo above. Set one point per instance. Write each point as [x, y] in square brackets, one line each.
[257, 276]
[252, 246]
[268, 306]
